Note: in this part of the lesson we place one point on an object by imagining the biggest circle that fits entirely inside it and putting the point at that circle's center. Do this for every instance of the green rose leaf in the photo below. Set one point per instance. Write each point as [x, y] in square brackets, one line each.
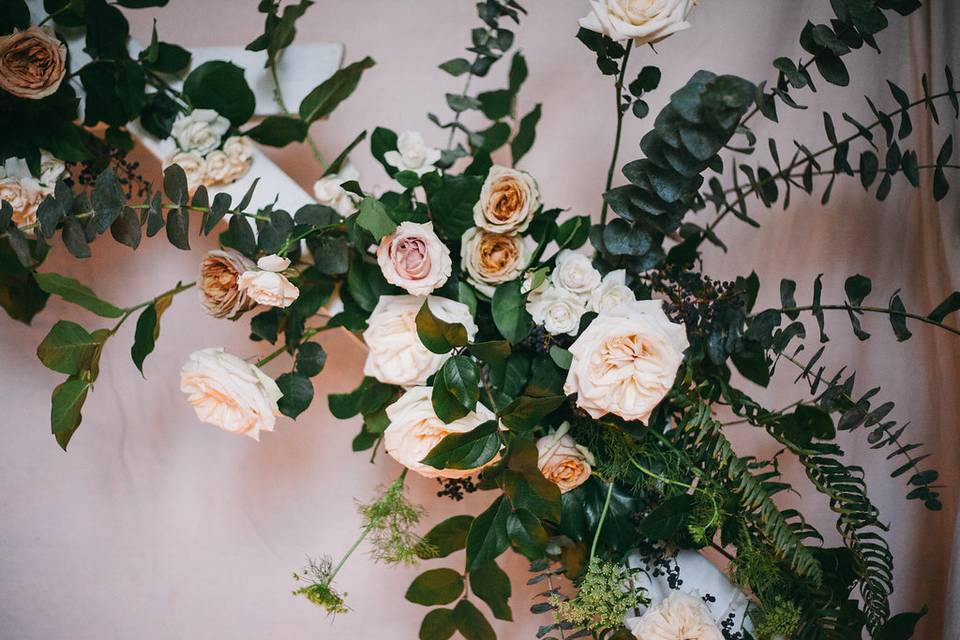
[466, 450]
[526, 412]
[491, 351]
[527, 535]
[325, 97]
[438, 625]
[510, 313]
[66, 404]
[438, 335]
[374, 218]
[79, 294]
[437, 586]
[447, 537]
[487, 537]
[279, 131]
[148, 330]
[310, 358]
[297, 394]
[68, 348]
[491, 584]
[471, 624]
[667, 520]
[220, 86]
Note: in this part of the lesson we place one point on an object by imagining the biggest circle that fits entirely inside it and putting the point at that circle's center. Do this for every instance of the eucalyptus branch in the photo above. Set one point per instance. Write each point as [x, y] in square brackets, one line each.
[618, 87]
[862, 309]
[456, 118]
[772, 93]
[809, 158]
[833, 172]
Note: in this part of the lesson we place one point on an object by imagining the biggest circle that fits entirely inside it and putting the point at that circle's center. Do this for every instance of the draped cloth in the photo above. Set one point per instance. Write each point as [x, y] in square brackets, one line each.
[157, 526]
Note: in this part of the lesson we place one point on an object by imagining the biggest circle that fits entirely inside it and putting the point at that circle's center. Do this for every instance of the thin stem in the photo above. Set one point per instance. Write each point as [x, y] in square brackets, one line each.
[657, 476]
[278, 98]
[157, 81]
[353, 547]
[756, 109]
[53, 15]
[788, 170]
[307, 334]
[456, 117]
[618, 86]
[889, 312]
[128, 311]
[603, 516]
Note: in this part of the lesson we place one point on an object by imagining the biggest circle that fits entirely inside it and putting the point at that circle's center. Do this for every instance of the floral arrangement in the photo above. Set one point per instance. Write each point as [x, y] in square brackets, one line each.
[575, 367]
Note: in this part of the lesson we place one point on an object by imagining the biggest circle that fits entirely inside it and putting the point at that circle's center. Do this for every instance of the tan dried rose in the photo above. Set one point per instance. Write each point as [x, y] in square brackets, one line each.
[491, 258]
[508, 200]
[32, 63]
[562, 461]
[219, 293]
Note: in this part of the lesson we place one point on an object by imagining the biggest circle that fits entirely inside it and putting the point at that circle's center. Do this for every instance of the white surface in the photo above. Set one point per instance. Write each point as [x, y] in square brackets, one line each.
[155, 526]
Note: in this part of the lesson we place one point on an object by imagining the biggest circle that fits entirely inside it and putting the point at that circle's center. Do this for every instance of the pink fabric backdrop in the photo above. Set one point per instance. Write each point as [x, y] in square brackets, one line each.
[157, 526]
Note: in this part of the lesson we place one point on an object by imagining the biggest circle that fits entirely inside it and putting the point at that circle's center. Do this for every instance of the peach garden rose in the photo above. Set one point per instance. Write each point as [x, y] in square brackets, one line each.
[32, 63]
[679, 616]
[491, 258]
[508, 200]
[562, 461]
[219, 293]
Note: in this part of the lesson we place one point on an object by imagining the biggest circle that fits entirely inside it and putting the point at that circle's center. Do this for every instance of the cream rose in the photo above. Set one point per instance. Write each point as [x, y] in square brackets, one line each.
[412, 154]
[562, 461]
[193, 165]
[415, 429]
[612, 291]
[32, 63]
[677, 617]
[266, 285]
[395, 354]
[230, 393]
[200, 130]
[22, 197]
[491, 258]
[414, 258]
[219, 293]
[329, 191]
[625, 362]
[645, 21]
[217, 168]
[508, 200]
[239, 150]
[51, 169]
[574, 272]
[558, 310]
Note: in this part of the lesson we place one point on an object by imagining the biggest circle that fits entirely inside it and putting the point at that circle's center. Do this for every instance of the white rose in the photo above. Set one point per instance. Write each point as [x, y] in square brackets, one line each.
[491, 258]
[415, 429]
[562, 461]
[677, 617]
[329, 192]
[51, 169]
[645, 21]
[412, 154]
[217, 168]
[508, 200]
[396, 355]
[230, 393]
[626, 361]
[612, 291]
[200, 130]
[414, 258]
[273, 263]
[266, 286]
[193, 165]
[558, 310]
[239, 149]
[574, 272]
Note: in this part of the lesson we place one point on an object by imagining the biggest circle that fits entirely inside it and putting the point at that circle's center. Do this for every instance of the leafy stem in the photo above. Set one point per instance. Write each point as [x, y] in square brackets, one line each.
[618, 87]
[278, 98]
[463, 93]
[861, 309]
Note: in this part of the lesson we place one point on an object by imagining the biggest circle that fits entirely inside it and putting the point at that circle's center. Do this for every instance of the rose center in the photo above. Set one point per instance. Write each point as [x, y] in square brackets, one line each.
[411, 258]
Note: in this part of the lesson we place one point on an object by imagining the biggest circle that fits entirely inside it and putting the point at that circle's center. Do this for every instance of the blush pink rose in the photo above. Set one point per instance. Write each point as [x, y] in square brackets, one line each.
[414, 258]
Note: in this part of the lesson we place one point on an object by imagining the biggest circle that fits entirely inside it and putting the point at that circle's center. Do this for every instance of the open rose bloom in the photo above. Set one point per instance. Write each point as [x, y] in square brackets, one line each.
[643, 21]
[414, 258]
[32, 63]
[230, 393]
[626, 361]
[508, 201]
[562, 461]
[219, 293]
[415, 429]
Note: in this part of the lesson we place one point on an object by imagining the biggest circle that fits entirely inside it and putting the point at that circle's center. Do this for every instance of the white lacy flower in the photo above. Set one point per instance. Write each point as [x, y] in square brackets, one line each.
[329, 192]
[574, 272]
[508, 200]
[562, 461]
[396, 355]
[200, 130]
[558, 310]
[266, 286]
[414, 258]
[230, 393]
[412, 154]
[612, 291]
[491, 258]
[625, 362]
[415, 429]
[193, 165]
[677, 617]
[645, 21]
